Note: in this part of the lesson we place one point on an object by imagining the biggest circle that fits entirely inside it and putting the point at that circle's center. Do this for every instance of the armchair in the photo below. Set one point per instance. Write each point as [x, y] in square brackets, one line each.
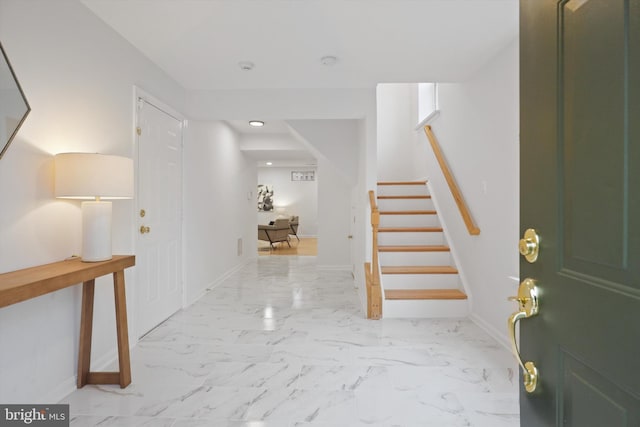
[294, 221]
[278, 232]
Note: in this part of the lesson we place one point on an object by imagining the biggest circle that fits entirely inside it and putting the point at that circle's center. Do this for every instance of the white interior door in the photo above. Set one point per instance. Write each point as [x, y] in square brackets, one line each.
[158, 255]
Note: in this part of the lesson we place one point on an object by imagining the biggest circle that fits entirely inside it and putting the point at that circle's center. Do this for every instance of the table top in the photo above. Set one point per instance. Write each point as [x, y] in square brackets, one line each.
[21, 285]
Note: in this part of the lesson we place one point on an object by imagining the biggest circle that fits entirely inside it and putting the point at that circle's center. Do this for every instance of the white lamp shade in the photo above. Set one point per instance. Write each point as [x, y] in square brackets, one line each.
[88, 176]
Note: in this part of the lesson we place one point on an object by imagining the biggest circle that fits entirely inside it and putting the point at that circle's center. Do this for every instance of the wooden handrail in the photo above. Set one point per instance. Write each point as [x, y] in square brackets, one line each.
[372, 271]
[372, 200]
[455, 191]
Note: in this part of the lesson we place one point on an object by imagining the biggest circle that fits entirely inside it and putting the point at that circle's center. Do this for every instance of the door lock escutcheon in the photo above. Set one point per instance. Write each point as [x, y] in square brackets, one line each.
[529, 245]
[527, 307]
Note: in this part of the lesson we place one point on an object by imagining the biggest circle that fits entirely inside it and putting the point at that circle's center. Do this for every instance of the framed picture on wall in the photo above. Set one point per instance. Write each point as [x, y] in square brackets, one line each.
[303, 175]
[265, 198]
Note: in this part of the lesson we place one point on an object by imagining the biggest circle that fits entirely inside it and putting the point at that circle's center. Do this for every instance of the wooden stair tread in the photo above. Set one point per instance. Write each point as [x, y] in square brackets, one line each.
[424, 294]
[402, 182]
[413, 248]
[410, 229]
[419, 269]
[408, 213]
[409, 196]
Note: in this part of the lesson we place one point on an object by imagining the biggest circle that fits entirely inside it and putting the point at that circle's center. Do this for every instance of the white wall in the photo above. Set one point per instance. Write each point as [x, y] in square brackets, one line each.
[294, 104]
[335, 140]
[478, 130]
[396, 136]
[296, 197]
[78, 76]
[220, 205]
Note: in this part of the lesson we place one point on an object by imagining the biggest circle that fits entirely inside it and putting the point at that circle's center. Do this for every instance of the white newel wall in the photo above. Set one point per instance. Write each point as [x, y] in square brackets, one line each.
[78, 76]
[295, 197]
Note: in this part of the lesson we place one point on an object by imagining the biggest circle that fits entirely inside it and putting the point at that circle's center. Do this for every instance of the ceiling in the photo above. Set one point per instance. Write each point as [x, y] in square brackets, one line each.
[200, 42]
[270, 127]
[272, 143]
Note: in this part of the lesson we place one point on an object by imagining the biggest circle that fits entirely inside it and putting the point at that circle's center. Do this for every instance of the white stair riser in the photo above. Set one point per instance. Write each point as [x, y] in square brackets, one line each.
[420, 281]
[425, 308]
[405, 204]
[411, 238]
[402, 190]
[415, 258]
[409, 221]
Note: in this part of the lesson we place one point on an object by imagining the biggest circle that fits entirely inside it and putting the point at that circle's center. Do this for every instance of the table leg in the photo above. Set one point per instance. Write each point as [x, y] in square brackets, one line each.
[122, 329]
[86, 328]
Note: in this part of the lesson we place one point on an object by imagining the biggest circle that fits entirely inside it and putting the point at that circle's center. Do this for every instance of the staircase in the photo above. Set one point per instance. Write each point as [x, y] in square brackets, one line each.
[418, 275]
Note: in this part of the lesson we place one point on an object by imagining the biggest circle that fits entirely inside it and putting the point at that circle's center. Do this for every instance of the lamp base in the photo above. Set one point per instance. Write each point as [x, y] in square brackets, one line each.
[96, 231]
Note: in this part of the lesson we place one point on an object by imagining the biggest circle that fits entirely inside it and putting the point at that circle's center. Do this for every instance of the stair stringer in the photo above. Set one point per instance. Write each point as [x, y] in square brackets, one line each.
[464, 282]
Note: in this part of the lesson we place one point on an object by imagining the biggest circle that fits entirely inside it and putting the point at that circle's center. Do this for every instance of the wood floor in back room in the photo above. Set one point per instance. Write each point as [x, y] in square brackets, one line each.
[307, 246]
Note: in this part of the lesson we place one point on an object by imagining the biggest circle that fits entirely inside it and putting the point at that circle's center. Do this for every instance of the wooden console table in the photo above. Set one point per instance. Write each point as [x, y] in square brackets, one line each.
[22, 285]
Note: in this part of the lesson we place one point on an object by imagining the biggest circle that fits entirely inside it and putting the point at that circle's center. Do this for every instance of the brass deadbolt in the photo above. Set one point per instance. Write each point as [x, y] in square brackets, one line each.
[529, 245]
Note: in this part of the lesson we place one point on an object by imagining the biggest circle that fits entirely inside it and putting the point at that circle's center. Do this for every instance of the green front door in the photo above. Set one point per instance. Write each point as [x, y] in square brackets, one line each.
[580, 190]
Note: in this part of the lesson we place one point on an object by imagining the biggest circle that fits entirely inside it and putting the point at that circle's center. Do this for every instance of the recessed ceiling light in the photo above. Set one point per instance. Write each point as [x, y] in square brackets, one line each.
[246, 65]
[269, 163]
[328, 60]
[256, 123]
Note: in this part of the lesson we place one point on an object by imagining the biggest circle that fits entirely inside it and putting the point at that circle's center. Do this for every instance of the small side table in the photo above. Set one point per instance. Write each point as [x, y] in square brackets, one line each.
[22, 285]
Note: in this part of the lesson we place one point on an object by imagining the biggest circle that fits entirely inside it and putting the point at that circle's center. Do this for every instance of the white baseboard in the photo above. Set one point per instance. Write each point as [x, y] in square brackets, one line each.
[69, 385]
[60, 392]
[217, 282]
[425, 309]
[212, 285]
[501, 337]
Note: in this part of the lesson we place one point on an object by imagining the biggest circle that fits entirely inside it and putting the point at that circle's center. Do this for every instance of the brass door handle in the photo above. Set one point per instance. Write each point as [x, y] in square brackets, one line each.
[528, 306]
[144, 229]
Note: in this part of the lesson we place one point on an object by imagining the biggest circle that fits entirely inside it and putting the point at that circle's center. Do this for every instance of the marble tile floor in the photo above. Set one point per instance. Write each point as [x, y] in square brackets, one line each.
[283, 344]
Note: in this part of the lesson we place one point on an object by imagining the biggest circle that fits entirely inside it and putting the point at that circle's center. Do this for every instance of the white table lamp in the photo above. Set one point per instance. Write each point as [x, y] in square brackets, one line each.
[95, 177]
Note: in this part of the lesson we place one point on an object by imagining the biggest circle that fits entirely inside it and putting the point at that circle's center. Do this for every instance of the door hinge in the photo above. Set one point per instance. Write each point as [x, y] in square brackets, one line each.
[139, 130]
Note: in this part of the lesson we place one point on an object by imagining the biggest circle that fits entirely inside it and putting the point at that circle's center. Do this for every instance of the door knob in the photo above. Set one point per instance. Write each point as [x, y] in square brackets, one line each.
[527, 306]
[144, 229]
[529, 245]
